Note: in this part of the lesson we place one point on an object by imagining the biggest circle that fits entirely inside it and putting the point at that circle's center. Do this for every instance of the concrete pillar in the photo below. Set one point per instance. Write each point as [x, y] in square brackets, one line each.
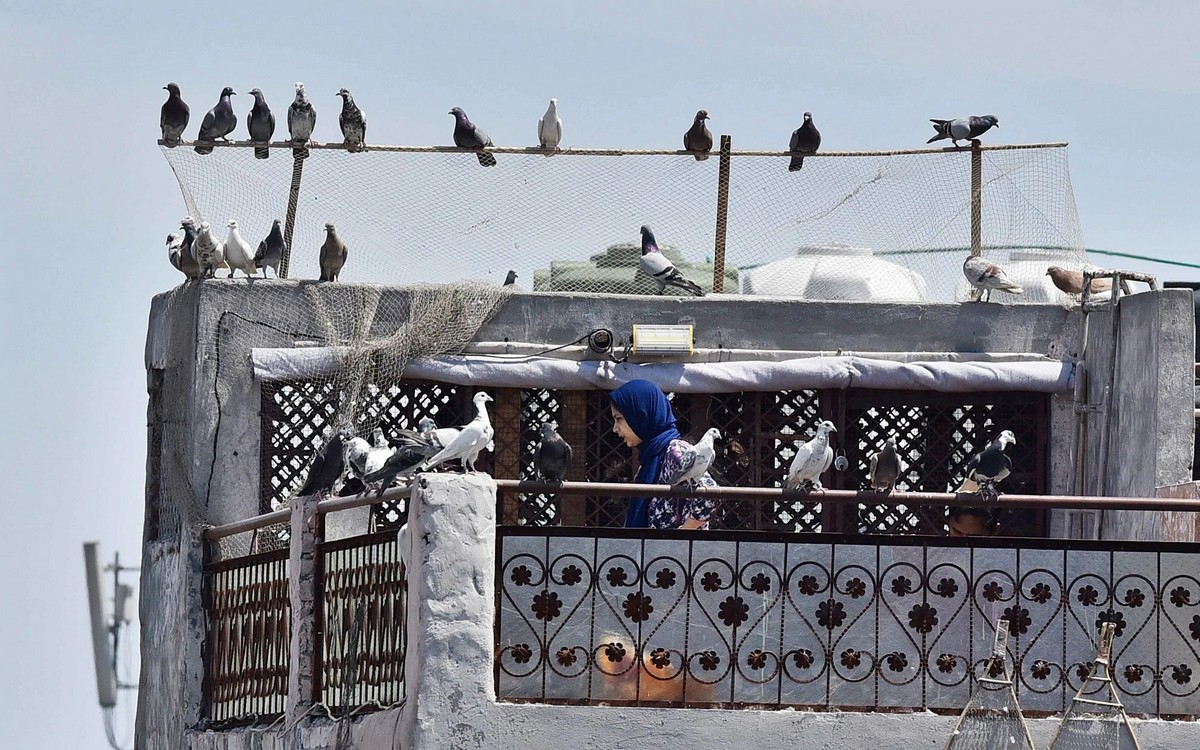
[302, 563]
[451, 633]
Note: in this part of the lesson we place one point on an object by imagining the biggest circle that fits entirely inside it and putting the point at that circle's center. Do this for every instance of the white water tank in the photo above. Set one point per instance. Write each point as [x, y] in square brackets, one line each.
[836, 272]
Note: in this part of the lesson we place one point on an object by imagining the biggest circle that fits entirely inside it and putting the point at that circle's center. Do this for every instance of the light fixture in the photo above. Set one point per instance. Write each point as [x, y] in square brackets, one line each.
[662, 340]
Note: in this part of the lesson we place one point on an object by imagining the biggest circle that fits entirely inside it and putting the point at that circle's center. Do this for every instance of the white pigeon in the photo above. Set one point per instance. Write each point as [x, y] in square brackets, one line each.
[379, 438]
[812, 459]
[363, 458]
[209, 251]
[238, 254]
[985, 276]
[696, 459]
[550, 128]
[472, 439]
[174, 244]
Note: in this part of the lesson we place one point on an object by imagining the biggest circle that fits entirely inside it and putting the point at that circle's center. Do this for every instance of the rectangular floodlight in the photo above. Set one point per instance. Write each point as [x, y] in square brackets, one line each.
[663, 340]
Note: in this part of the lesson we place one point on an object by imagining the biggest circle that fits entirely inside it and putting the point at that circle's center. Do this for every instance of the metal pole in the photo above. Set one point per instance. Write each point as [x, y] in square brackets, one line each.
[290, 222]
[976, 200]
[722, 214]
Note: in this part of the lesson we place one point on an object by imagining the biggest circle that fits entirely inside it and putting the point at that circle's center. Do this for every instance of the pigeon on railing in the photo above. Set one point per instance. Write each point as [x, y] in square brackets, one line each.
[989, 467]
[812, 459]
[698, 140]
[696, 459]
[553, 457]
[326, 468]
[218, 122]
[260, 123]
[469, 135]
[353, 123]
[886, 467]
[302, 119]
[963, 128]
[1071, 282]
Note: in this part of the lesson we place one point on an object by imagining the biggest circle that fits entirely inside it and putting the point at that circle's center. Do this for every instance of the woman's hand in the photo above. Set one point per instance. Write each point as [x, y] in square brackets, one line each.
[692, 523]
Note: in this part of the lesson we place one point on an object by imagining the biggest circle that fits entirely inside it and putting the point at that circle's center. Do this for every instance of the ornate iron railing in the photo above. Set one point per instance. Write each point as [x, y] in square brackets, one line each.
[825, 621]
[362, 641]
[249, 638]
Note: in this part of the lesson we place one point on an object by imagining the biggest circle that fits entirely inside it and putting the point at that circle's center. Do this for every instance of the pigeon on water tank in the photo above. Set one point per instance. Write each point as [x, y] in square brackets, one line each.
[985, 276]
[270, 250]
[174, 117]
[806, 139]
[963, 128]
[698, 140]
[218, 122]
[260, 123]
[302, 119]
[812, 459]
[333, 254]
[658, 267]
[469, 135]
[553, 456]
[989, 467]
[353, 123]
[550, 129]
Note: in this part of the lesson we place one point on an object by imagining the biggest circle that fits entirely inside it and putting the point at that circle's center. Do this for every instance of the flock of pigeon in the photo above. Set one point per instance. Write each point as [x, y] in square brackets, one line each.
[198, 253]
[374, 466]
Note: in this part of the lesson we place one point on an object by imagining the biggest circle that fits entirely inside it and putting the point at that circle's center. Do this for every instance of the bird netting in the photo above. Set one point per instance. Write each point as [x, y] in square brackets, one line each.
[992, 718]
[853, 226]
[1096, 718]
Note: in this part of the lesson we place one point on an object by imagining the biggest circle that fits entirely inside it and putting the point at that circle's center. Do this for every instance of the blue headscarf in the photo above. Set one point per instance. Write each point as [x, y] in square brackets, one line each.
[649, 414]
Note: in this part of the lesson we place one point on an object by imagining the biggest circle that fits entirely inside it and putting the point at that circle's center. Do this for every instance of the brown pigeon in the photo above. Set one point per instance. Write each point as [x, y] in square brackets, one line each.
[1071, 282]
[333, 254]
[698, 140]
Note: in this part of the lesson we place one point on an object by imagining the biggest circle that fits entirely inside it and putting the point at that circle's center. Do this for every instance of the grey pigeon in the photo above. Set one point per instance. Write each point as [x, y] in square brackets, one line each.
[696, 459]
[327, 466]
[471, 439]
[353, 123]
[985, 276]
[812, 459]
[174, 242]
[553, 456]
[989, 467]
[806, 139]
[302, 119]
[658, 267]
[550, 129]
[403, 462]
[886, 467]
[333, 254]
[510, 279]
[187, 255]
[218, 123]
[469, 135]
[698, 140]
[963, 128]
[174, 116]
[209, 251]
[362, 458]
[261, 124]
[270, 250]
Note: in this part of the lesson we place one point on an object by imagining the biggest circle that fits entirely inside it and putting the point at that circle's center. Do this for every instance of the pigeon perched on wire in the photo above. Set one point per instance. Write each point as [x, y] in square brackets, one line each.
[698, 140]
[989, 467]
[353, 123]
[963, 128]
[658, 267]
[327, 466]
[333, 254]
[210, 252]
[696, 459]
[174, 116]
[302, 119]
[237, 252]
[806, 139]
[510, 279]
[469, 135]
[260, 123]
[985, 276]
[550, 129]
[187, 253]
[886, 467]
[218, 122]
[553, 456]
[271, 249]
[812, 459]
[1071, 282]
[470, 441]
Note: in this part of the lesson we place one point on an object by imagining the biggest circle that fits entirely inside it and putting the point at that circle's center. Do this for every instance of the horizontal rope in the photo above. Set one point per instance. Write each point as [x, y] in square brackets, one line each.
[338, 146]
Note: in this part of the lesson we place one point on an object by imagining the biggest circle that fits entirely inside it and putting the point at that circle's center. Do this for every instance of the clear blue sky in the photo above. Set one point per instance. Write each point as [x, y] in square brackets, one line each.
[86, 197]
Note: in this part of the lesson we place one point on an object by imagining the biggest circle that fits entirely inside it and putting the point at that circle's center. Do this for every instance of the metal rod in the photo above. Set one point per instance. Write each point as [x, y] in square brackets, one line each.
[330, 505]
[976, 199]
[338, 146]
[722, 215]
[290, 221]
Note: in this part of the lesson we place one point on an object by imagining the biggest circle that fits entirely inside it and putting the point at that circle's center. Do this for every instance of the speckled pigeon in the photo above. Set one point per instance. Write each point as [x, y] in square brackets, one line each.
[985, 276]
[261, 123]
[963, 128]
[353, 123]
[812, 459]
[696, 459]
[209, 251]
[698, 140]
[658, 267]
[469, 135]
[302, 119]
[553, 456]
[218, 123]
[806, 139]
[174, 242]
[271, 249]
[333, 254]
[989, 467]
[174, 117]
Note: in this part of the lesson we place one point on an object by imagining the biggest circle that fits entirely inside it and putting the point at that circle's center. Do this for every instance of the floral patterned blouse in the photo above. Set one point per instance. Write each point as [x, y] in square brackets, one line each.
[671, 512]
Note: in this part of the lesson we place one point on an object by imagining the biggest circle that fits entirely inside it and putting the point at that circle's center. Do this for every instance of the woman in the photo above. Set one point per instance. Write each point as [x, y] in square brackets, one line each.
[643, 418]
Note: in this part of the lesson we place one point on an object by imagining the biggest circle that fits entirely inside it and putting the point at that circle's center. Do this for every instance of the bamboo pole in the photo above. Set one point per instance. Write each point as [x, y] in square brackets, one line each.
[976, 199]
[722, 215]
[290, 222]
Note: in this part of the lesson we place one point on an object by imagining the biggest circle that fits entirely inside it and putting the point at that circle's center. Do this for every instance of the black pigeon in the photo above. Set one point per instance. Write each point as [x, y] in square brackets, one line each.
[174, 117]
[187, 256]
[326, 467]
[270, 250]
[553, 455]
[698, 140]
[218, 123]
[353, 123]
[806, 139]
[261, 124]
[403, 461]
[302, 118]
[510, 279]
[987, 468]
[469, 135]
[660, 268]
[963, 128]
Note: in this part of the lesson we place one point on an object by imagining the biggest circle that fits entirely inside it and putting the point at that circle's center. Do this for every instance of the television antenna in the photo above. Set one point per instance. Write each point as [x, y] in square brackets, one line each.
[106, 630]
